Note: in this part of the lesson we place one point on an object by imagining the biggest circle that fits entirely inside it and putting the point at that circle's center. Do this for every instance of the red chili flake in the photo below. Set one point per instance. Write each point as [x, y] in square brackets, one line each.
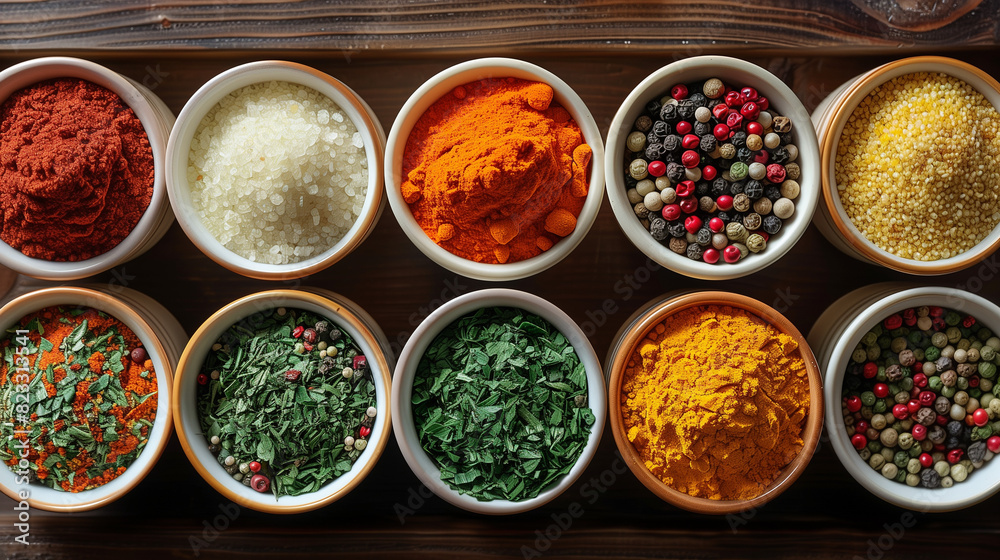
[297, 331]
[292, 374]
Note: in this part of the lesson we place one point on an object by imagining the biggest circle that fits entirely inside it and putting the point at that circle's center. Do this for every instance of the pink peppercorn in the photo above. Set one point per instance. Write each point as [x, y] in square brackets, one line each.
[731, 254]
[679, 91]
[690, 141]
[716, 224]
[733, 99]
[734, 120]
[656, 168]
[690, 159]
[692, 224]
[776, 173]
[683, 127]
[993, 444]
[748, 94]
[750, 111]
[859, 441]
[919, 432]
[709, 173]
[853, 404]
[710, 255]
[720, 111]
[763, 103]
[724, 202]
[755, 128]
[684, 189]
[893, 322]
[901, 412]
[761, 157]
[671, 212]
[721, 131]
[689, 205]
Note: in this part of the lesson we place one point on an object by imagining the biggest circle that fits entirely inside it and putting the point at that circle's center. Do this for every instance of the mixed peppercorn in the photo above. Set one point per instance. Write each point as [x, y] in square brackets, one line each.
[920, 401]
[712, 174]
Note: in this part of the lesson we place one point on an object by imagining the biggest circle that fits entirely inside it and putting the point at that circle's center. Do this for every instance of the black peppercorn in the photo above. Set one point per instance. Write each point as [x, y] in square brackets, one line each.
[630, 181]
[786, 138]
[754, 189]
[672, 143]
[686, 109]
[703, 129]
[726, 216]
[643, 123]
[652, 137]
[739, 139]
[669, 113]
[658, 228]
[737, 187]
[653, 107]
[929, 478]
[694, 251]
[708, 142]
[701, 189]
[744, 154]
[661, 129]
[676, 229]
[977, 451]
[779, 155]
[772, 192]
[704, 236]
[719, 187]
[654, 152]
[675, 172]
[698, 99]
[954, 428]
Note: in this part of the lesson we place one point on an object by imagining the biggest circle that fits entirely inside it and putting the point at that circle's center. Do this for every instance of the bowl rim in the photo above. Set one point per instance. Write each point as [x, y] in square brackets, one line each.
[206, 98]
[164, 378]
[898, 494]
[620, 355]
[704, 67]
[834, 119]
[156, 130]
[464, 73]
[189, 365]
[413, 351]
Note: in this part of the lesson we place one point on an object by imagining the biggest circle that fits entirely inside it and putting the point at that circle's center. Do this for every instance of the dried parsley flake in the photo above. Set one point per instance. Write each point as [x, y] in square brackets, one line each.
[500, 404]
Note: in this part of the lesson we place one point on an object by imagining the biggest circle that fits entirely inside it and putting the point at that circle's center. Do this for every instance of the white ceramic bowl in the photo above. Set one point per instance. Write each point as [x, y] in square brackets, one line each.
[402, 388]
[835, 335]
[736, 73]
[161, 336]
[830, 117]
[432, 90]
[157, 121]
[206, 98]
[352, 320]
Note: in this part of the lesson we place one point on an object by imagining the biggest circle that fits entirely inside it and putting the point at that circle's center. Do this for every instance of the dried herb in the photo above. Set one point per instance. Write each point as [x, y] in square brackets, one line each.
[500, 403]
[69, 387]
[297, 408]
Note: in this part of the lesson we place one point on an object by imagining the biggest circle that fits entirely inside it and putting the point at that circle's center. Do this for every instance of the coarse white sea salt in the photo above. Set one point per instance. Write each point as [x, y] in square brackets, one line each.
[271, 176]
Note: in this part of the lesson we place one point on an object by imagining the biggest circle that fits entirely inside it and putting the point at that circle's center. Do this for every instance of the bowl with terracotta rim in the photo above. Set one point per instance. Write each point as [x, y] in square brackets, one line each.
[637, 327]
[351, 319]
[830, 118]
[163, 357]
[206, 98]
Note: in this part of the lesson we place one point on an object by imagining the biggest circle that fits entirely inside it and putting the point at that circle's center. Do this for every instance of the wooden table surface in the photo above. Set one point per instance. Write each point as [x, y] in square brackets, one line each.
[384, 56]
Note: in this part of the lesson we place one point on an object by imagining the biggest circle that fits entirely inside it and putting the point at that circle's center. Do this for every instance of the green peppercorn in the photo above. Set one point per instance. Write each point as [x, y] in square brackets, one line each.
[902, 459]
[933, 352]
[884, 342]
[948, 392]
[874, 446]
[918, 353]
[859, 356]
[898, 344]
[915, 450]
[984, 334]
[869, 338]
[987, 370]
[953, 334]
[868, 398]
[939, 340]
[987, 353]
[873, 352]
[934, 384]
[879, 407]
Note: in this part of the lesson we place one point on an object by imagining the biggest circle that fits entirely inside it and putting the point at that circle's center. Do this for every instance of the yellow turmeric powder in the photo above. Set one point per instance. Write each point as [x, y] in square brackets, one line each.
[714, 400]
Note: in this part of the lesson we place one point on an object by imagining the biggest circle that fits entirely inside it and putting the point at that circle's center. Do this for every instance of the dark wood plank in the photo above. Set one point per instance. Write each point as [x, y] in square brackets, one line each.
[826, 514]
[425, 25]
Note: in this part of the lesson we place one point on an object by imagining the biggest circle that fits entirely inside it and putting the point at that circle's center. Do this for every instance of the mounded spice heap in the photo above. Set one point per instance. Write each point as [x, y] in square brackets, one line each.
[76, 170]
[286, 402]
[278, 172]
[920, 399]
[714, 400]
[495, 171]
[92, 398]
[918, 166]
[500, 404]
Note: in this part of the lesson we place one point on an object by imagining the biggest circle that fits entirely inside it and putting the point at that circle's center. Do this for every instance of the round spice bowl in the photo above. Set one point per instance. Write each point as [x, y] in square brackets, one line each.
[839, 331]
[782, 101]
[647, 321]
[351, 320]
[220, 89]
[830, 119]
[406, 374]
[444, 84]
[156, 120]
[160, 335]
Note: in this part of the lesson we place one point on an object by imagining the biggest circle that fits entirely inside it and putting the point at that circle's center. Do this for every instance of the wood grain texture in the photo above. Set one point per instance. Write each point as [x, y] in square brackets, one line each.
[423, 25]
[825, 514]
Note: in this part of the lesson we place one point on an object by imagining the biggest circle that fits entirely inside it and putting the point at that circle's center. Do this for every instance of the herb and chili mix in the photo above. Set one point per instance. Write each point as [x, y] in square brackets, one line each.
[286, 401]
[920, 399]
[91, 392]
[500, 404]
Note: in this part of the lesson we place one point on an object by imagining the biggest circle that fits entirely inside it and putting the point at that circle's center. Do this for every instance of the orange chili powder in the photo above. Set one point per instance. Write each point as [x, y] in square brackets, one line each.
[132, 422]
[495, 171]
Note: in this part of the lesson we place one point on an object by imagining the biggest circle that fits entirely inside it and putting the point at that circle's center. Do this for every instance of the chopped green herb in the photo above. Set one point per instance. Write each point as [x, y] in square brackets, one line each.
[499, 400]
[276, 391]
